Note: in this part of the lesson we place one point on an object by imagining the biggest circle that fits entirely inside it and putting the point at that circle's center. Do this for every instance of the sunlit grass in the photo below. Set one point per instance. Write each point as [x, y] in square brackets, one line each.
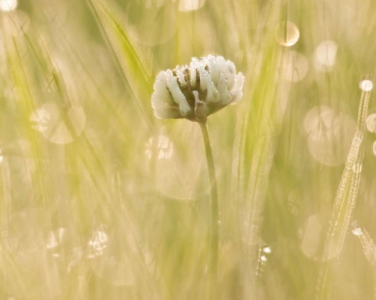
[101, 200]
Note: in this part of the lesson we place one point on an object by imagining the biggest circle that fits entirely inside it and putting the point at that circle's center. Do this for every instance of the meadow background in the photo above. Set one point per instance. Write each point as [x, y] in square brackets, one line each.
[101, 200]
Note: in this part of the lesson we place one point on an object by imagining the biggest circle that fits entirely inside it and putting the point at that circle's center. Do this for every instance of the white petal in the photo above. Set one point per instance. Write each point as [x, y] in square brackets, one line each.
[177, 95]
[192, 70]
[212, 94]
[160, 87]
[236, 92]
[230, 72]
[203, 75]
[220, 61]
[162, 110]
[231, 67]
[160, 79]
[180, 75]
[239, 81]
[213, 68]
[221, 64]
[225, 97]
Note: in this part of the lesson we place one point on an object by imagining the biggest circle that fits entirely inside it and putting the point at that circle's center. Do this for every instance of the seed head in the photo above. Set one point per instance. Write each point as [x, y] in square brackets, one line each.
[196, 91]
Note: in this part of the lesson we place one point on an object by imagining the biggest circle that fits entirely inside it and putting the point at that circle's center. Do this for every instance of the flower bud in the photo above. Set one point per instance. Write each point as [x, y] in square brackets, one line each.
[196, 91]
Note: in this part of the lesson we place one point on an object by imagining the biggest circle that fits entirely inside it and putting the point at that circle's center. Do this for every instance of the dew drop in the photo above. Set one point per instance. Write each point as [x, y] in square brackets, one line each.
[267, 250]
[263, 258]
[356, 230]
[287, 34]
[8, 5]
[371, 123]
[366, 85]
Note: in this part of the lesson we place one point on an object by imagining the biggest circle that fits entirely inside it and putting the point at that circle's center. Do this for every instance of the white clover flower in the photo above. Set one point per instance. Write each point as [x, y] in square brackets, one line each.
[196, 91]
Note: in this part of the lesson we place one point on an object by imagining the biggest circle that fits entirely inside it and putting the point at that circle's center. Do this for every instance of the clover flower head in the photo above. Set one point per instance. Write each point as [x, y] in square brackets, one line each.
[196, 91]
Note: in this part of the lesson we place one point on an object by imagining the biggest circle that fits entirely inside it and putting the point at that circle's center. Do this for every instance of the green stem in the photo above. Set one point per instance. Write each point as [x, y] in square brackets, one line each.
[213, 263]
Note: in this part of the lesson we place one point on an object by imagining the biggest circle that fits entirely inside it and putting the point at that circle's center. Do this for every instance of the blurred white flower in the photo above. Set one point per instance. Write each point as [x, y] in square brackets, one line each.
[196, 91]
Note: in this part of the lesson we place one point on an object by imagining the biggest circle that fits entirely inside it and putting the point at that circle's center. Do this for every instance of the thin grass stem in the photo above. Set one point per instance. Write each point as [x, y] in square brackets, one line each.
[345, 201]
[213, 262]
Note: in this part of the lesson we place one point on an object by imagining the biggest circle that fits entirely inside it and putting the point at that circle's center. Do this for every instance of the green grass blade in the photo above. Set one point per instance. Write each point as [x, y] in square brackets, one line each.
[132, 67]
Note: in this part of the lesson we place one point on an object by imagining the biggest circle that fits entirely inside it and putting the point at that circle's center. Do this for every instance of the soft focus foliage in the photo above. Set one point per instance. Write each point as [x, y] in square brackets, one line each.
[101, 200]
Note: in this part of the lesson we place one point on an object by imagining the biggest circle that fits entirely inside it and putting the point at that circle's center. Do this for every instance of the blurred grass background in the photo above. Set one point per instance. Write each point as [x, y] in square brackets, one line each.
[101, 200]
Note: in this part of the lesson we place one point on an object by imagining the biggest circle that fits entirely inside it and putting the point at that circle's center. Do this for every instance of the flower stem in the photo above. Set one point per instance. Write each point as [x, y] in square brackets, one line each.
[213, 262]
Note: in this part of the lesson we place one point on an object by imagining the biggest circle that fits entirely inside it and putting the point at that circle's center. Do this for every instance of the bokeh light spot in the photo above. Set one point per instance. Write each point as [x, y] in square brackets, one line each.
[40, 117]
[97, 244]
[164, 147]
[267, 250]
[325, 56]
[59, 125]
[356, 230]
[366, 85]
[112, 257]
[287, 34]
[8, 5]
[329, 135]
[294, 66]
[190, 5]
[371, 123]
